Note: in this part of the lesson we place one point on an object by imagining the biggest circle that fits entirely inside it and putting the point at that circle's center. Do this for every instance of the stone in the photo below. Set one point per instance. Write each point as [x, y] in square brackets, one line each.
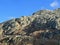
[41, 28]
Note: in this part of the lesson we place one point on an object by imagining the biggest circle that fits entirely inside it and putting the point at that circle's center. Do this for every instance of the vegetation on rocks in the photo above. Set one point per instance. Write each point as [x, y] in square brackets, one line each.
[41, 28]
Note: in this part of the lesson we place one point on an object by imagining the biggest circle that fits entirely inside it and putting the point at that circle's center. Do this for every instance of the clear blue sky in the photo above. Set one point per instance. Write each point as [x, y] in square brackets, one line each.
[18, 8]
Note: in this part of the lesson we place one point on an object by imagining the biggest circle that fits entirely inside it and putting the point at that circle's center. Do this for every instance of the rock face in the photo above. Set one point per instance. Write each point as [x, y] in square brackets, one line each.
[42, 27]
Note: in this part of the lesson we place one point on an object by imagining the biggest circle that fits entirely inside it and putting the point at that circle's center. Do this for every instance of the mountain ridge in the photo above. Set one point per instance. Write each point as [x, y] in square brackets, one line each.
[43, 25]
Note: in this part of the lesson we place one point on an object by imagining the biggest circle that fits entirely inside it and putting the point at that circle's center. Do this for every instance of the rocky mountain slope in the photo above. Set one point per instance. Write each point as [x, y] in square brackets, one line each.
[42, 28]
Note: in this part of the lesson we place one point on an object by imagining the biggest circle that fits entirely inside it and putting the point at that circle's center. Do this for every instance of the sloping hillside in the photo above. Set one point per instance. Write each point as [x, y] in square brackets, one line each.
[42, 28]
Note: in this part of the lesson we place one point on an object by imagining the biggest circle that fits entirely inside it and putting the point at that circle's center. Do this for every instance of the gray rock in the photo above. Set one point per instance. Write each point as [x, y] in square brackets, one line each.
[43, 25]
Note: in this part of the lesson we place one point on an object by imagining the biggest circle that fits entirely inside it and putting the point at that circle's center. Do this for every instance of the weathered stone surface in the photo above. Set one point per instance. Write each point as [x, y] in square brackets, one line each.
[41, 28]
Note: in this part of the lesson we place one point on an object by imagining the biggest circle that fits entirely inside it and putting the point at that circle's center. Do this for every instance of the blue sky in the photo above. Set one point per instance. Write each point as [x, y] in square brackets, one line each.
[17, 8]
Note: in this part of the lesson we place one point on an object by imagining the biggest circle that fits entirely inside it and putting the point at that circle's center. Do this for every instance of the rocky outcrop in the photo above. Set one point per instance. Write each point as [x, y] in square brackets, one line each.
[41, 27]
